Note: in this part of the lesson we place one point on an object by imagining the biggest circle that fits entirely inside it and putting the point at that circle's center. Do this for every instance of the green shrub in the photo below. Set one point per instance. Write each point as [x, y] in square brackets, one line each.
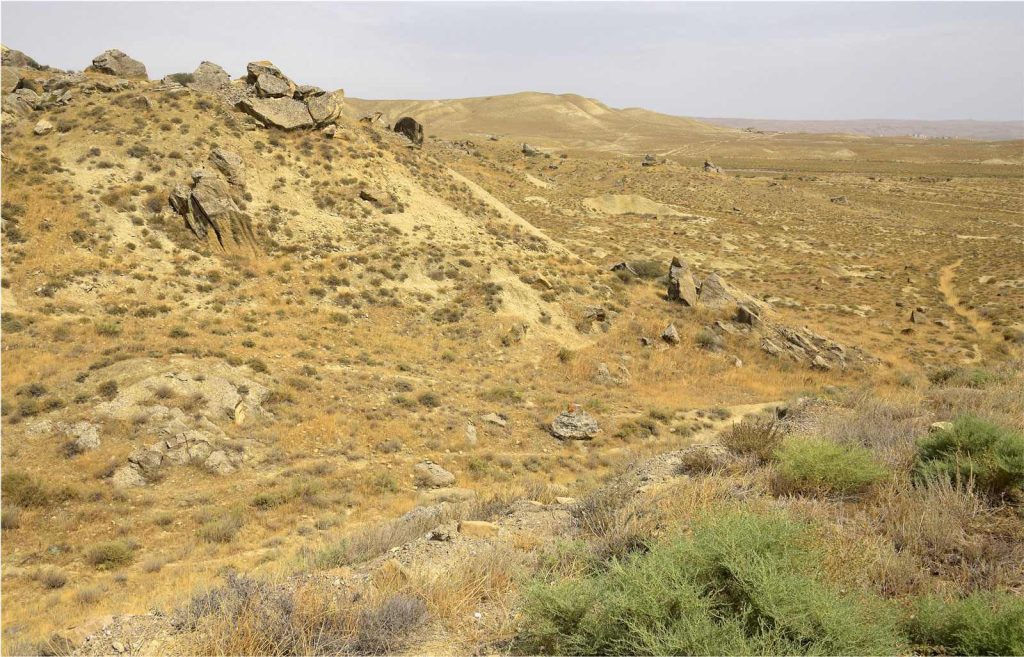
[973, 450]
[742, 584]
[110, 554]
[982, 624]
[182, 78]
[821, 467]
[21, 489]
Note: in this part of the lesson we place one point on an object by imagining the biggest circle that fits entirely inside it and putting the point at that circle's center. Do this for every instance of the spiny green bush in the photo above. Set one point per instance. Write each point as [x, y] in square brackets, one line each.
[741, 584]
[821, 467]
[982, 624]
[973, 450]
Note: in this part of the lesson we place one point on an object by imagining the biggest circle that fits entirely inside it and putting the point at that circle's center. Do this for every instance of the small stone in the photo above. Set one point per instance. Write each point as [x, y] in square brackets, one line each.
[670, 334]
[574, 424]
[43, 127]
[936, 427]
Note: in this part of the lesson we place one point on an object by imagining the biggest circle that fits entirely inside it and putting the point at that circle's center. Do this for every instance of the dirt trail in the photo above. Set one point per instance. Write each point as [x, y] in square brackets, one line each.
[946, 276]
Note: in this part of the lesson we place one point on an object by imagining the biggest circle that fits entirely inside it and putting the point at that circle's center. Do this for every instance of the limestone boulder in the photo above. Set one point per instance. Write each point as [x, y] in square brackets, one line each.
[324, 108]
[681, 287]
[230, 164]
[430, 475]
[209, 77]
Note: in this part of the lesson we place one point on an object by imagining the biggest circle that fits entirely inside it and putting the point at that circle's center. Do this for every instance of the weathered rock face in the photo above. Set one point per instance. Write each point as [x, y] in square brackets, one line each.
[115, 62]
[210, 78]
[530, 151]
[714, 292]
[670, 334]
[680, 283]
[411, 128]
[230, 164]
[574, 424]
[430, 475]
[283, 113]
[43, 127]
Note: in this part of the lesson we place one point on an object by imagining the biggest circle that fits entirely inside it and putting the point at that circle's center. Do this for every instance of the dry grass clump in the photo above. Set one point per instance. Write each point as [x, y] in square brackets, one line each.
[759, 437]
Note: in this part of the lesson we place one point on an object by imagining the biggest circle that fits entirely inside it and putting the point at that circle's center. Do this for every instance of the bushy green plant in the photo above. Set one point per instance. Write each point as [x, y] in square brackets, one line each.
[982, 624]
[822, 467]
[741, 584]
[973, 450]
[110, 554]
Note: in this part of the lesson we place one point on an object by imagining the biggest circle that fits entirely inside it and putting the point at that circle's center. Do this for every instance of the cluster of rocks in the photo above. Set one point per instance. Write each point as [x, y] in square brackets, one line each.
[574, 424]
[208, 204]
[214, 396]
[752, 316]
[276, 101]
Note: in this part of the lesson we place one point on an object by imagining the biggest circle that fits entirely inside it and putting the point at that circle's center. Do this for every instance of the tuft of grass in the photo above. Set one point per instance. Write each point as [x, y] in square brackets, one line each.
[985, 623]
[741, 584]
[815, 466]
[990, 456]
[222, 529]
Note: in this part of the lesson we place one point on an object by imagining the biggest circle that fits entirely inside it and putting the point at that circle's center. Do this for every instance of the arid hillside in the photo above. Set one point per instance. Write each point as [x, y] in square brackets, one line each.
[281, 380]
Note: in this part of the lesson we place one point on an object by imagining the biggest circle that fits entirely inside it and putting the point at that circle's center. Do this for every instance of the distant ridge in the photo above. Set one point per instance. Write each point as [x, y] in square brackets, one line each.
[965, 129]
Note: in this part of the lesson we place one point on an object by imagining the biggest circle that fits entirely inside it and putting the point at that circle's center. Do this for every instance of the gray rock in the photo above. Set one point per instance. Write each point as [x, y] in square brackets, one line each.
[86, 435]
[304, 91]
[530, 151]
[430, 475]
[218, 462]
[230, 164]
[494, 418]
[262, 67]
[109, 86]
[680, 283]
[936, 427]
[411, 128]
[324, 108]
[329, 131]
[271, 86]
[574, 424]
[714, 292]
[115, 62]
[670, 334]
[283, 113]
[711, 167]
[748, 316]
[128, 476]
[918, 317]
[209, 77]
[471, 435]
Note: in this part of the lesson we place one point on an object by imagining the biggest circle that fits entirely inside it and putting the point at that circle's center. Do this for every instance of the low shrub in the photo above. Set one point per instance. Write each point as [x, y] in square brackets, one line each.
[741, 584]
[22, 489]
[981, 624]
[820, 467]
[973, 450]
[759, 438]
[110, 554]
[222, 529]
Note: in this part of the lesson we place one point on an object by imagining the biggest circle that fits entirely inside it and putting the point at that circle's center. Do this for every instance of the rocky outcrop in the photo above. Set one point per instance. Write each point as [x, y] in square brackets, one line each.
[411, 128]
[681, 287]
[574, 424]
[208, 205]
[10, 79]
[530, 151]
[214, 395]
[115, 62]
[277, 102]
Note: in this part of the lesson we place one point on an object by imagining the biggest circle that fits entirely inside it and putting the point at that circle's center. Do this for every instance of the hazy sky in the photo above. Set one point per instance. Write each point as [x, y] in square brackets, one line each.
[756, 60]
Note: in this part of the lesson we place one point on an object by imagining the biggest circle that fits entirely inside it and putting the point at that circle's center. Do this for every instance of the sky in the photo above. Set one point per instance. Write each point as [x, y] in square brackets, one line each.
[801, 60]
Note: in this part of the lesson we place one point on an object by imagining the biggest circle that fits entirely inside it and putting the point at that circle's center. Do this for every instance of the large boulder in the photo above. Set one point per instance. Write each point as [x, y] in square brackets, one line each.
[714, 292]
[325, 108]
[115, 62]
[283, 113]
[574, 424]
[411, 128]
[209, 77]
[680, 283]
[262, 67]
